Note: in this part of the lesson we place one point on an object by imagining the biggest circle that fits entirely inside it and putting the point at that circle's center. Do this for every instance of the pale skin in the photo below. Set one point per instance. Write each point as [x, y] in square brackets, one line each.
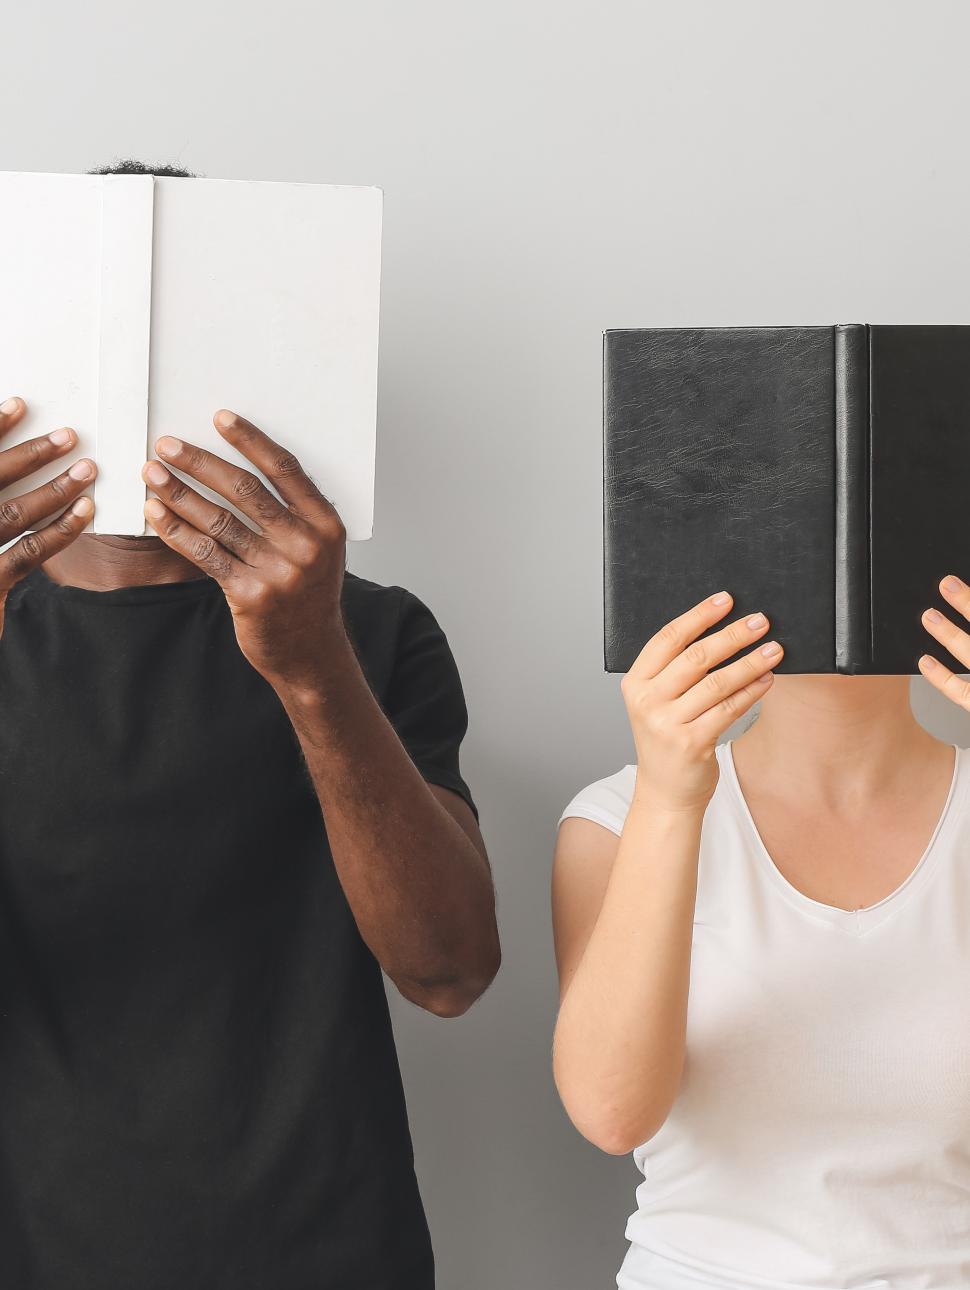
[409, 855]
[845, 788]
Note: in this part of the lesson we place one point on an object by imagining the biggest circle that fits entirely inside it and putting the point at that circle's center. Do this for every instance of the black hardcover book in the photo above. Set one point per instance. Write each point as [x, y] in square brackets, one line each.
[819, 474]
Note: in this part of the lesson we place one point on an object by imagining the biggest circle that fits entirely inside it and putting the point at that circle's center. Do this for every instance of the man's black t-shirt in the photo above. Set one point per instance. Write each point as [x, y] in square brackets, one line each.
[198, 1082]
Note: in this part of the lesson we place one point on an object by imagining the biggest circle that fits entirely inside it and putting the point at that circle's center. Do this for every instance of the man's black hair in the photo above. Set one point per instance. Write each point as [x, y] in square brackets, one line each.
[129, 166]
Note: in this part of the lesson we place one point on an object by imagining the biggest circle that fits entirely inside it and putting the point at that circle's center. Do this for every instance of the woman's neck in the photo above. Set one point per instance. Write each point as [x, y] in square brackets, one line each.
[840, 740]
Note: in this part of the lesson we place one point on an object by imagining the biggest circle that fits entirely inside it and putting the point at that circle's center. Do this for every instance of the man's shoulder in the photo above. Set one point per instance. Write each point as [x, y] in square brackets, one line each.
[380, 620]
[372, 602]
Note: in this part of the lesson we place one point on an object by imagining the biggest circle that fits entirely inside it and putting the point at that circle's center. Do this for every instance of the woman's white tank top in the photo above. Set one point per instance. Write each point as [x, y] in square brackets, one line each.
[821, 1133]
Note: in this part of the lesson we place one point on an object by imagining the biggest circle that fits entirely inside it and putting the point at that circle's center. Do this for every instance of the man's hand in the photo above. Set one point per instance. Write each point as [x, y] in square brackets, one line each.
[409, 856]
[952, 638]
[282, 584]
[60, 497]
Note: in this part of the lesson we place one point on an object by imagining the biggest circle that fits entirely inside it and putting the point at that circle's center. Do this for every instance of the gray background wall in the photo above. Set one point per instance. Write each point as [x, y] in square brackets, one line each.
[550, 169]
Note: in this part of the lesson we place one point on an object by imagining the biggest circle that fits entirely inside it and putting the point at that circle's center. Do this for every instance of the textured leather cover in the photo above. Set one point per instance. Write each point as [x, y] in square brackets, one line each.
[920, 457]
[719, 473]
[813, 472]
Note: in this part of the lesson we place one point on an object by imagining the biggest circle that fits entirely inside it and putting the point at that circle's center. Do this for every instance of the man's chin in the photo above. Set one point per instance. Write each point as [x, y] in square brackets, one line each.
[127, 543]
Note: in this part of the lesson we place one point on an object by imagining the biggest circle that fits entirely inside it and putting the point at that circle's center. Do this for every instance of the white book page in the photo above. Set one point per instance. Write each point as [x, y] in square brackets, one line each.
[50, 234]
[264, 299]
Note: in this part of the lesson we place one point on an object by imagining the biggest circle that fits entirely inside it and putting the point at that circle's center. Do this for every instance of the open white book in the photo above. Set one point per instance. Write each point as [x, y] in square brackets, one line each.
[135, 307]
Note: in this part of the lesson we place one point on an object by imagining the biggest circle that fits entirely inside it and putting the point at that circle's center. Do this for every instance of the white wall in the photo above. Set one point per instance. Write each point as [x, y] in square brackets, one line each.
[550, 169]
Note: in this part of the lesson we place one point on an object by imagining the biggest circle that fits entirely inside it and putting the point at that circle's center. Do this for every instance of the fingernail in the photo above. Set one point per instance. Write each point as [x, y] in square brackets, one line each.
[764, 678]
[721, 598]
[9, 407]
[154, 509]
[950, 583]
[929, 663]
[225, 418]
[83, 506]
[168, 447]
[756, 620]
[156, 473]
[771, 648]
[82, 470]
[61, 437]
[932, 616]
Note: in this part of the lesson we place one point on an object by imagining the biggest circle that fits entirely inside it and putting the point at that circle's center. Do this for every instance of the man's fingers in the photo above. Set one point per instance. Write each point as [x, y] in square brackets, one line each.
[22, 460]
[203, 550]
[217, 522]
[242, 488]
[11, 411]
[278, 465]
[24, 512]
[34, 548]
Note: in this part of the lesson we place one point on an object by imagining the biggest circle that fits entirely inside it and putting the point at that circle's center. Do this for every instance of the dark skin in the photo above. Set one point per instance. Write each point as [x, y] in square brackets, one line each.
[409, 855]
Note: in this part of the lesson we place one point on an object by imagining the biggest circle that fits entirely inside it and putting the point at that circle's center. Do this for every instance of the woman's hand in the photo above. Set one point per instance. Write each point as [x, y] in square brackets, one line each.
[678, 707]
[623, 909]
[61, 498]
[952, 638]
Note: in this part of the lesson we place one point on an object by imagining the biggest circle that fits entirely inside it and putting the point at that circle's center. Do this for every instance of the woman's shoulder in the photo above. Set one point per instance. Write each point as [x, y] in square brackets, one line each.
[605, 801]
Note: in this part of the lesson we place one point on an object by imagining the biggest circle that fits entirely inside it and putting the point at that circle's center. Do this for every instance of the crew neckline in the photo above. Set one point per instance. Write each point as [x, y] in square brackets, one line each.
[860, 920]
[140, 594]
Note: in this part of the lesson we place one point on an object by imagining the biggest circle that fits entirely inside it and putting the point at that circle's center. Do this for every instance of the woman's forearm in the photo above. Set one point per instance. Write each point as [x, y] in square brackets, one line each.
[619, 1043]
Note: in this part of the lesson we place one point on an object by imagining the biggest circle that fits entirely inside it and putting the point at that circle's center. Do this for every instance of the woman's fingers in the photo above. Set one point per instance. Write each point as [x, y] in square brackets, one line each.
[34, 548]
[950, 636]
[674, 637]
[715, 703]
[694, 663]
[956, 688]
[710, 725]
[718, 688]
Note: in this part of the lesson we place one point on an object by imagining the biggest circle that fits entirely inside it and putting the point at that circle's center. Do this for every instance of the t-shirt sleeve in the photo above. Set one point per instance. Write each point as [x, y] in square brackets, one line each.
[424, 700]
[605, 802]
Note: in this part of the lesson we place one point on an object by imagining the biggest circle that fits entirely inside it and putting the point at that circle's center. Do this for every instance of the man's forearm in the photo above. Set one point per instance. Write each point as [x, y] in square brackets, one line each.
[417, 882]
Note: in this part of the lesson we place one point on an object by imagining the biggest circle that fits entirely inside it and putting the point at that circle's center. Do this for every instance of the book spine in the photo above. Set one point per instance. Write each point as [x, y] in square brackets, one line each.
[853, 618]
[127, 232]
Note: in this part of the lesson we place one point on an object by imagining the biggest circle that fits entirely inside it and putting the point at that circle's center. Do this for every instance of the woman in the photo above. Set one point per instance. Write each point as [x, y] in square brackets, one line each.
[801, 1112]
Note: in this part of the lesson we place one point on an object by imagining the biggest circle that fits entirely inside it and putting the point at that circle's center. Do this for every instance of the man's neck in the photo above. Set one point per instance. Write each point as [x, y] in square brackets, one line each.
[102, 562]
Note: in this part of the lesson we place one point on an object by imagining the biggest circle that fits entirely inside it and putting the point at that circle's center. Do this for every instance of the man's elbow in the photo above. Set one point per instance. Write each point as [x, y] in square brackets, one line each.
[453, 997]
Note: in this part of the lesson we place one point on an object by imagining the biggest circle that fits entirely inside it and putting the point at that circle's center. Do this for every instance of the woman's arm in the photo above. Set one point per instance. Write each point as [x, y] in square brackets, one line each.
[623, 913]
[623, 909]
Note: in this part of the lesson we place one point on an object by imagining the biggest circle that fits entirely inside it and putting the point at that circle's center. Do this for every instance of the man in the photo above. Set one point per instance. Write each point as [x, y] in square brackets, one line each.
[229, 795]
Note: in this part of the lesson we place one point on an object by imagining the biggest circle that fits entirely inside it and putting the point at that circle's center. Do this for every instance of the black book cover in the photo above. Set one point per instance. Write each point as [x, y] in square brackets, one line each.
[816, 473]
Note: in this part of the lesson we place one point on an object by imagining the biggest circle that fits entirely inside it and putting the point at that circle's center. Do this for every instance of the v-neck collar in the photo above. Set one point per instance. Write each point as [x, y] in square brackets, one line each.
[854, 921]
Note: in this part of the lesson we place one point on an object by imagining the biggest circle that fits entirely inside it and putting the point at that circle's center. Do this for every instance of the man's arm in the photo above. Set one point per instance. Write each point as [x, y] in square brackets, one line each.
[410, 857]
